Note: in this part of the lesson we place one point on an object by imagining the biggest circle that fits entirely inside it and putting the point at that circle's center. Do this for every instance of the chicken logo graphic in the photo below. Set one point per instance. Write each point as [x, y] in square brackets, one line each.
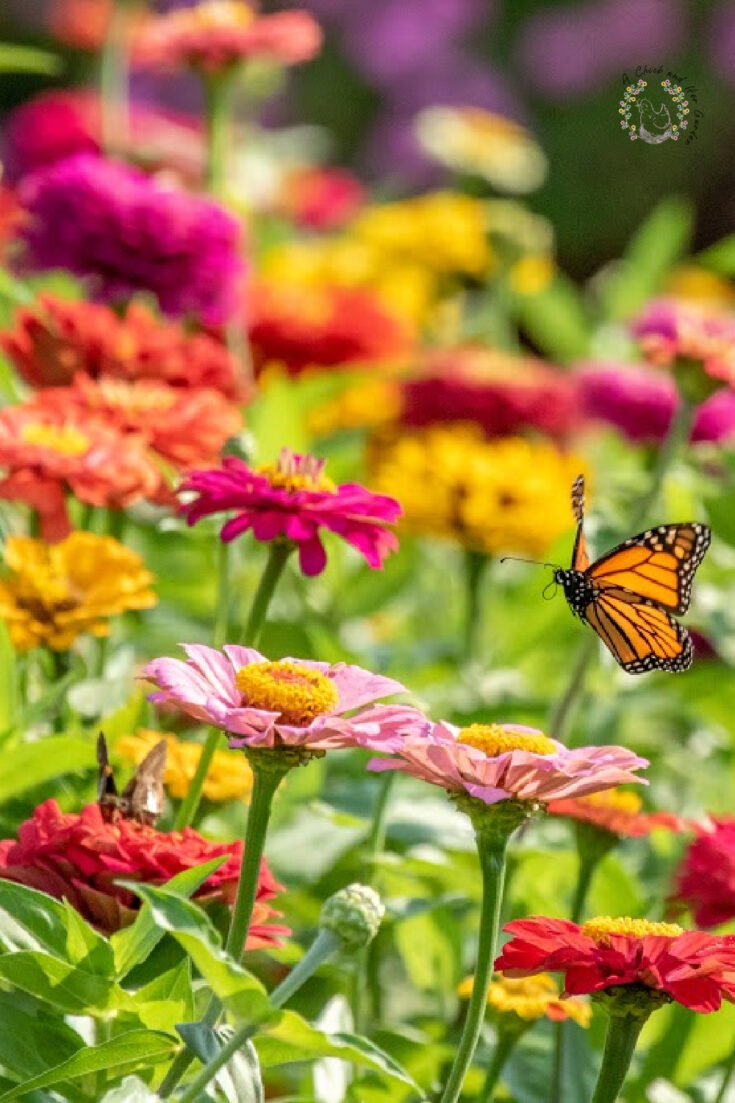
[650, 121]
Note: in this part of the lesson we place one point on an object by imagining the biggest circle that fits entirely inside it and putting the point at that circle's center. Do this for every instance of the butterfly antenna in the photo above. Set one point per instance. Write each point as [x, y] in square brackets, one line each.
[535, 562]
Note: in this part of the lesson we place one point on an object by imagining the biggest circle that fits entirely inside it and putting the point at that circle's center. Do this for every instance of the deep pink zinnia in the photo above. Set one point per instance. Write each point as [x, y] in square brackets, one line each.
[126, 233]
[705, 880]
[292, 500]
[673, 332]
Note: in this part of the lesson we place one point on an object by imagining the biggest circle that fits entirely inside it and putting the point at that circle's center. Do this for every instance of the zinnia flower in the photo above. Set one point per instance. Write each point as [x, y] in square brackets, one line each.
[502, 394]
[499, 762]
[641, 404]
[705, 880]
[318, 198]
[45, 453]
[499, 496]
[617, 811]
[690, 967]
[127, 232]
[293, 500]
[321, 327]
[229, 777]
[528, 999]
[672, 332]
[216, 34]
[80, 857]
[289, 703]
[56, 592]
[56, 339]
[184, 428]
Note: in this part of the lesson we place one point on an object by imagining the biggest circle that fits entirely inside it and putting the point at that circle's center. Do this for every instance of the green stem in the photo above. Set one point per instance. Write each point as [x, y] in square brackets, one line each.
[492, 850]
[504, 1046]
[116, 524]
[114, 66]
[324, 945]
[475, 566]
[277, 559]
[622, 1035]
[217, 96]
[677, 437]
[190, 804]
[727, 1073]
[221, 616]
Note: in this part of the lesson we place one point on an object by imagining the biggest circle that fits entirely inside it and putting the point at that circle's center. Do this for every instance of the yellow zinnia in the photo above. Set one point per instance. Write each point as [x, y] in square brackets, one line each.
[229, 777]
[530, 998]
[56, 592]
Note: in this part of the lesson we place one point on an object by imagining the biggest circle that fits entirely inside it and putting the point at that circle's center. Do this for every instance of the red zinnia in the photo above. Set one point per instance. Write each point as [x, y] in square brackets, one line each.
[79, 857]
[705, 881]
[693, 968]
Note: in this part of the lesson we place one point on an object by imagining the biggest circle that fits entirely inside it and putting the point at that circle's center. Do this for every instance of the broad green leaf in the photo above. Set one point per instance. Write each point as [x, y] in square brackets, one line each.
[31, 920]
[294, 1039]
[131, 1050]
[28, 59]
[135, 943]
[555, 319]
[166, 1000]
[656, 246]
[242, 994]
[72, 990]
[31, 764]
[8, 679]
[30, 1042]
[720, 257]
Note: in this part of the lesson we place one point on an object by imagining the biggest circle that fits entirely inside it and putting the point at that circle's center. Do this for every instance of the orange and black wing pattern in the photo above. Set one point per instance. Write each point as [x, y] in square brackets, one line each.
[580, 555]
[641, 636]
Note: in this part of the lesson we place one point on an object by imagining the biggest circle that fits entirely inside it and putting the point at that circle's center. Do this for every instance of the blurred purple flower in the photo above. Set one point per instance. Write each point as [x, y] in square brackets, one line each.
[722, 41]
[640, 402]
[128, 233]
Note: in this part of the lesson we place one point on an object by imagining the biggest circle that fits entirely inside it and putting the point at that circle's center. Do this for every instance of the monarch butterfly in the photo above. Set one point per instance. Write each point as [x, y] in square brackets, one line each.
[626, 595]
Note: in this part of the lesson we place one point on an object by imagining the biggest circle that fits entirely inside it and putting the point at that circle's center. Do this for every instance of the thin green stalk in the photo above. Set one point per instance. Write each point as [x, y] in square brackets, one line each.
[676, 439]
[492, 849]
[114, 70]
[190, 804]
[116, 523]
[221, 616]
[622, 1036]
[727, 1074]
[324, 945]
[217, 89]
[504, 1046]
[277, 559]
[475, 566]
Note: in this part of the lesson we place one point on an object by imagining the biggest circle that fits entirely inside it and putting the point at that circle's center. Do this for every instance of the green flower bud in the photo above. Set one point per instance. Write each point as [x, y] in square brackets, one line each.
[354, 915]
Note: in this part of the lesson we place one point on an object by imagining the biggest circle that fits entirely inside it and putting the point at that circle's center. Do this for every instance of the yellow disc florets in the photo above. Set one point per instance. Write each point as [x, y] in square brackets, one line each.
[616, 800]
[64, 439]
[293, 473]
[298, 692]
[529, 998]
[495, 739]
[600, 929]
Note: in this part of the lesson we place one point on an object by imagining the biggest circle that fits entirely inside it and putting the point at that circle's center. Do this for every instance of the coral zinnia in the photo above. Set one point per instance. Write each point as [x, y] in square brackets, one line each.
[672, 332]
[292, 500]
[705, 880]
[292, 702]
[228, 777]
[691, 967]
[616, 811]
[494, 496]
[80, 857]
[127, 232]
[55, 339]
[183, 427]
[45, 453]
[530, 998]
[217, 34]
[318, 198]
[497, 762]
[56, 592]
[321, 327]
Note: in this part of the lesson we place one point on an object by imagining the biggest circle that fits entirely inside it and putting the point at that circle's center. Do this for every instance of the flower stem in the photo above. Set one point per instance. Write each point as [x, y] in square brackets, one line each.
[727, 1072]
[190, 804]
[221, 616]
[503, 1048]
[475, 566]
[492, 850]
[277, 558]
[217, 97]
[676, 439]
[114, 66]
[622, 1035]
[324, 945]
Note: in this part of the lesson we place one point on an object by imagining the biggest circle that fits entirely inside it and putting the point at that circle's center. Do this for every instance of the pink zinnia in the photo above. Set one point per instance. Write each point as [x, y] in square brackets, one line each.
[705, 880]
[671, 331]
[641, 403]
[497, 762]
[292, 500]
[292, 702]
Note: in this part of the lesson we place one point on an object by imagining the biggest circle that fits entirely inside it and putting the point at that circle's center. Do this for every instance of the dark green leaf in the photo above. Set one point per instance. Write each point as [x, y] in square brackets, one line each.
[31, 764]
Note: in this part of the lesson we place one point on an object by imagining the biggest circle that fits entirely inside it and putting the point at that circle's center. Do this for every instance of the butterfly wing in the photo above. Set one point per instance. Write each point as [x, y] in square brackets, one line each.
[106, 789]
[580, 555]
[641, 636]
[657, 566]
[142, 798]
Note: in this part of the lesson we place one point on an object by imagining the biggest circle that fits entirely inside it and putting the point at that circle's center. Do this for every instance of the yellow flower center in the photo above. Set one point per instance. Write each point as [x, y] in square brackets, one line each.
[297, 692]
[616, 800]
[58, 438]
[134, 398]
[494, 739]
[221, 13]
[292, 473]
[600, 928]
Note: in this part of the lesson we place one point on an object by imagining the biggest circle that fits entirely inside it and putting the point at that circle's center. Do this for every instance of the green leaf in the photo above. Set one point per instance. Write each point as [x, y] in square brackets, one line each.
[277, 418]
[242, 994]
[658, 244]
[166, 1000]
[31, 764]
[28, 59]
[72, 990]
[555, 319]
[31, 920]
[135, 943]
[8, 679]
[239, 1080]
[30, 1042]
[125, 1052]
[294, 1039]
[720, 257]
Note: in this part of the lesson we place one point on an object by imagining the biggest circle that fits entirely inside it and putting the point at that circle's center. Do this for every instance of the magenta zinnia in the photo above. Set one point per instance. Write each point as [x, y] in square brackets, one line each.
[289, 703]
[291, 501]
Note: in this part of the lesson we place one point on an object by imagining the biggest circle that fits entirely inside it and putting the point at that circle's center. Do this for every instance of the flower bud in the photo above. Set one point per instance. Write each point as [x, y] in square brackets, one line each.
[354, 914]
